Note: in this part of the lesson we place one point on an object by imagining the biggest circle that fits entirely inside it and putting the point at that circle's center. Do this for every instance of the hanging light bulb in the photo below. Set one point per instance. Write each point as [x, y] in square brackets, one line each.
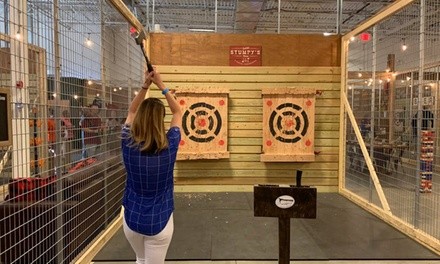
[89, 42]
[89, 82]
[404, 46]
[18, 35]
[359, 74]
[353, 38]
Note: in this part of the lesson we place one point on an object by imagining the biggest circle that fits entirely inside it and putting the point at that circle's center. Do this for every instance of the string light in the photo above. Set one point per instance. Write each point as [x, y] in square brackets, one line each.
[89, 82]
[404, 46]
[352, 38]
[89, 42]
[359, 75]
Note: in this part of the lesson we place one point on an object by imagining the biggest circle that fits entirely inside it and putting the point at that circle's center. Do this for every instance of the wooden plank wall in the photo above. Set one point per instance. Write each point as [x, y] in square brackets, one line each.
[245, 124]
[202, 60]
[213, 49]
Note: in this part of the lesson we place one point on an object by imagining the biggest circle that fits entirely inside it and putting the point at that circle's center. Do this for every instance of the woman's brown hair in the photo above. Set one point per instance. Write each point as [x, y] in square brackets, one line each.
[148, 128]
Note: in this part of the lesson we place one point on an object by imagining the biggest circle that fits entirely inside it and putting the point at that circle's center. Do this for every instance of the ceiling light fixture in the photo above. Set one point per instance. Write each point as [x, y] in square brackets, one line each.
[326, 34]
[201, 30]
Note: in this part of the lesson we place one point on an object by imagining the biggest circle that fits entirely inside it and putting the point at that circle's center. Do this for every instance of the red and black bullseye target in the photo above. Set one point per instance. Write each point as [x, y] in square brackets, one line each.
[201, 122]
[288, 123]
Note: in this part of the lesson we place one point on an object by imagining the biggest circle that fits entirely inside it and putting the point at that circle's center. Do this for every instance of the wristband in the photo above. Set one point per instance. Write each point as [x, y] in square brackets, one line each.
[165, 91]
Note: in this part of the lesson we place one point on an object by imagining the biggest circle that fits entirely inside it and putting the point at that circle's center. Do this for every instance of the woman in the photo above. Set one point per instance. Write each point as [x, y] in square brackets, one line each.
[149, 155]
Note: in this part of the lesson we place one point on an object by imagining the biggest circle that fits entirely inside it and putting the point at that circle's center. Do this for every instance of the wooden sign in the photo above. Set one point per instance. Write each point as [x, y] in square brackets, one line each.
[204, 123]
[245, 56]
[288, 124]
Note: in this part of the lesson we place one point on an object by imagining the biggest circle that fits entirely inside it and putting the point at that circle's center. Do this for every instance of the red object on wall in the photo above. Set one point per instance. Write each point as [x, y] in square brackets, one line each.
[365, 37]
[245, 55]
[19, 84]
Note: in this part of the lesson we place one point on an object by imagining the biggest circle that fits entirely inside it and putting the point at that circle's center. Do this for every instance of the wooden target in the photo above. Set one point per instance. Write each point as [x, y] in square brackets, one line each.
[288, 124]
[204, 123]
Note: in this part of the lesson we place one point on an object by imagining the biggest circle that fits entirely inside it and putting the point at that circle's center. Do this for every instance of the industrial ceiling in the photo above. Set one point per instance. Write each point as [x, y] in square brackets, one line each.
[257, 16]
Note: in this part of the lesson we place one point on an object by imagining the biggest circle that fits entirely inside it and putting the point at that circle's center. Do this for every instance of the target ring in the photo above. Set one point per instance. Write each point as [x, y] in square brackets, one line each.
[288, 123]
[201, 122]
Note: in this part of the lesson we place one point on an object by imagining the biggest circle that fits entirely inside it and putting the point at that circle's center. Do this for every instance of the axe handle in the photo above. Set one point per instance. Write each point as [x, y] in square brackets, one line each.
[139, 40]
[149, 66]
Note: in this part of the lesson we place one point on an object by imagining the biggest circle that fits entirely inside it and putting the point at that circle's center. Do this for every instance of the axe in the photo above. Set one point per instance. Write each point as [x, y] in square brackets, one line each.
[139, 36]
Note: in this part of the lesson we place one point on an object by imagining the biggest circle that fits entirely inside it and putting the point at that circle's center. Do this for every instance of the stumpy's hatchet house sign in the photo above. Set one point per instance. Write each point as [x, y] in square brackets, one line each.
[245, 56]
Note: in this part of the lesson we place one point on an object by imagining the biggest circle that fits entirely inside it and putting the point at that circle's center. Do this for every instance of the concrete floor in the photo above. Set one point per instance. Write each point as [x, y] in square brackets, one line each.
[220, 228]
[292, 262]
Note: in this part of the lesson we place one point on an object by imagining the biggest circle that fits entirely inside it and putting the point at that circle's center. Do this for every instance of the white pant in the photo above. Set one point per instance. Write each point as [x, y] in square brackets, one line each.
[150, 249]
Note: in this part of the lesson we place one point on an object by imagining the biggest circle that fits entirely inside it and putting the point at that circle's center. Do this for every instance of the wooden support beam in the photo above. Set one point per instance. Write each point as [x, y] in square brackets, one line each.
[369, 163]
[391, 9]
[125, 12]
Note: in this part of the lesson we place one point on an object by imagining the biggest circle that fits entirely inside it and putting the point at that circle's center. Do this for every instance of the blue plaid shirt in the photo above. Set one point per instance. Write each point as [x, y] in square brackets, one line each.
[148, 199]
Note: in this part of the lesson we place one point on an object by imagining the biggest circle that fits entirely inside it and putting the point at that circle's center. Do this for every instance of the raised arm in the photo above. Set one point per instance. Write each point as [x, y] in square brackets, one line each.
[176, 120]
[138, 99]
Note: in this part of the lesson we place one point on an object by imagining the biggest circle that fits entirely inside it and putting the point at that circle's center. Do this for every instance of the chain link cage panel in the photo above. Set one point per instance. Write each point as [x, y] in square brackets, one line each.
[392, 88]
[68, 70]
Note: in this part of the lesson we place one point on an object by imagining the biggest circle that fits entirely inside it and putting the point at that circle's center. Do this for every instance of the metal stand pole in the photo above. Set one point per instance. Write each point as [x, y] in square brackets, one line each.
[284, 240]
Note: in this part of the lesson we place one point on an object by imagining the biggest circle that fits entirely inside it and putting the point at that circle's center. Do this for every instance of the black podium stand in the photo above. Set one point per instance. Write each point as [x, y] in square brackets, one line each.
[285, 202]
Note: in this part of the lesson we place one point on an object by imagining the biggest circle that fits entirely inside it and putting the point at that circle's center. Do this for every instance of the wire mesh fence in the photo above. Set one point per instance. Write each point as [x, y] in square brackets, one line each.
[68, 70]
[392, 89]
